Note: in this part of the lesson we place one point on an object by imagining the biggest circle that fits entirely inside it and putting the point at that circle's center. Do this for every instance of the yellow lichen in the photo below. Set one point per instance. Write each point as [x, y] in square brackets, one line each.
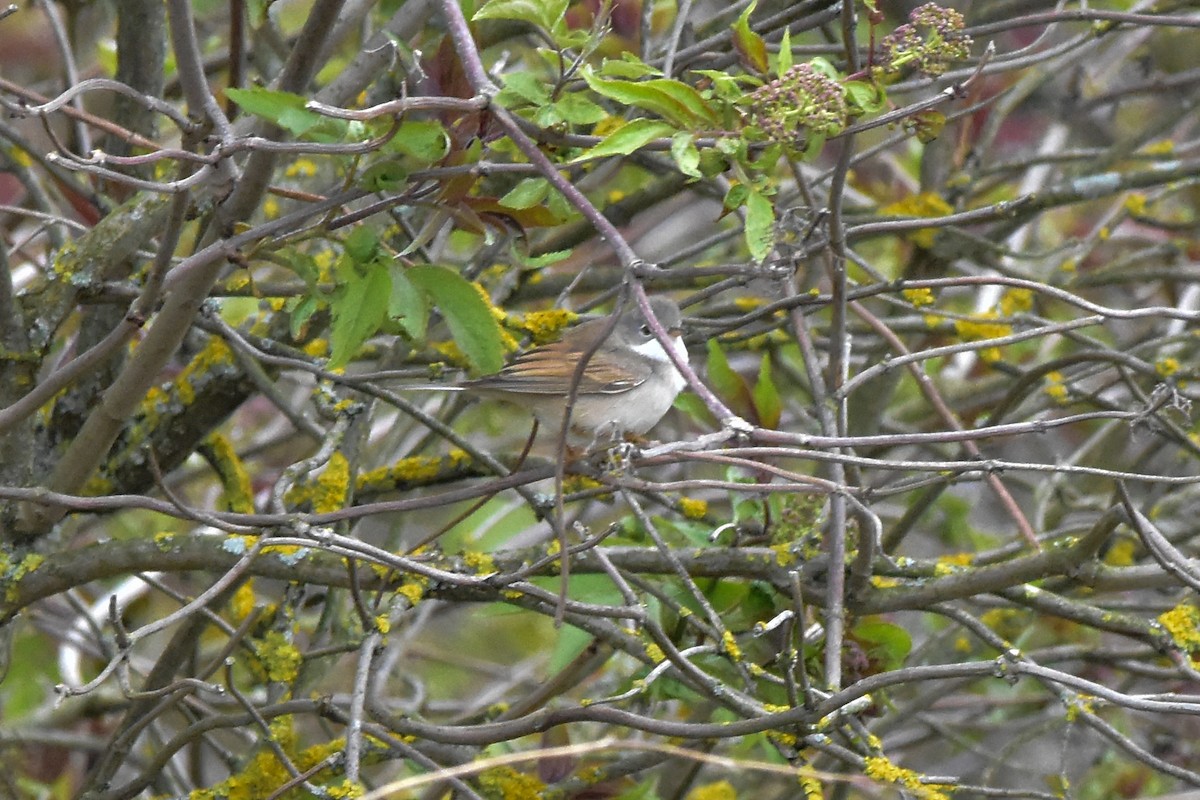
[279, 658]
[730, 646]
[655, 653]
[301, 168]
[881, 769]
[925, 204]
[505, 783]
[692, 508]
[1166, 367]
[919, 297]
[1055, 388]
[1122, 553]
[235, 480]
[243, 601]
[718, 790]
[811, 787]
[332, 486]
[1015, 301]
[546, 326]
[1183, 624]
[480, 563]
[412, 591]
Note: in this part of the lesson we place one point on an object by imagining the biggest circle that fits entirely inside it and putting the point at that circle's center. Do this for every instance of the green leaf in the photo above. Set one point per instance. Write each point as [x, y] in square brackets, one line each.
[543, 13]
[783, 61]
[760, 225]
[886, 643]
[472, 325]
[422, 139]
[687, 157]
[870, 97]
[629, 66]
[544, 260]
[751, 48]
[766, 396]
[578, 110]
[287, 111]
[359, 308]
[384, 176]
[407, 304]
[672, 100]
[361, 244]
[627, 139]
[729, 385]
[528, 193]
[523, 88]
[736, 196]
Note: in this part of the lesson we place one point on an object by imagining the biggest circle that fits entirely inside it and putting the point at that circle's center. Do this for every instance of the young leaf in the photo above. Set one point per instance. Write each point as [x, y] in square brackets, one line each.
[523, 88]
[287, 111]
[751, 49]
[407, 304]
[361, 244]
[472, 325]
[358, 310]
[766, 397]
[527, 193]
[422, 139]
[886, 643]
[672, 100]
[760, 225]
[729, 385]
[578, 110]
[687, 157]
[784, 61]
[543, 13]
[627, 139]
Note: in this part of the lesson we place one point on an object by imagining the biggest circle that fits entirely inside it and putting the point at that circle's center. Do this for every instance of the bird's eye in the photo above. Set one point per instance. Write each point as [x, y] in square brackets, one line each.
[646, 331]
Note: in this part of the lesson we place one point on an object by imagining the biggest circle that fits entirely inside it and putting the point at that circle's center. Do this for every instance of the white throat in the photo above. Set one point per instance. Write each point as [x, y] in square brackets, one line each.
[654, 351]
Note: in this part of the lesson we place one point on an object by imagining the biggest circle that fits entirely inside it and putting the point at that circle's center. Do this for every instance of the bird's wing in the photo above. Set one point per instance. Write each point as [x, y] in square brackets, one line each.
[549, 369]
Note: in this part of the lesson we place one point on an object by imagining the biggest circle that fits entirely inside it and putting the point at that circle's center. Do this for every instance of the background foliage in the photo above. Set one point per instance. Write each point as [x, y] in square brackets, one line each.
[922, 526]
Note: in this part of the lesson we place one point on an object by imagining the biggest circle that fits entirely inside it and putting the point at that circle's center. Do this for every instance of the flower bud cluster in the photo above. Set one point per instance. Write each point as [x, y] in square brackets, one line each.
[931, 40]
[801, 102]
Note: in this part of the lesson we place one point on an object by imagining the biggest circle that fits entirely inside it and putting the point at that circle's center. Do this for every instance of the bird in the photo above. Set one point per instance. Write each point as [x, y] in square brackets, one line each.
[628, 383]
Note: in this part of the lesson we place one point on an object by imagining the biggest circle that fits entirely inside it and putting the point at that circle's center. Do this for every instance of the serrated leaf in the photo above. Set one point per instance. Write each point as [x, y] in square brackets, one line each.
[527, 193]
[407, 304]
[766, 397]
[751, 48]
[672, 100]
[760, 225]
[627, 139]
[470, 319]
[358, 308]
[687, 157]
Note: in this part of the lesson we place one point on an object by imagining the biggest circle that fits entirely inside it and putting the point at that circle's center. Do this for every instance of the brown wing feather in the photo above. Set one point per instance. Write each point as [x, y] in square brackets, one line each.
[549, 369]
